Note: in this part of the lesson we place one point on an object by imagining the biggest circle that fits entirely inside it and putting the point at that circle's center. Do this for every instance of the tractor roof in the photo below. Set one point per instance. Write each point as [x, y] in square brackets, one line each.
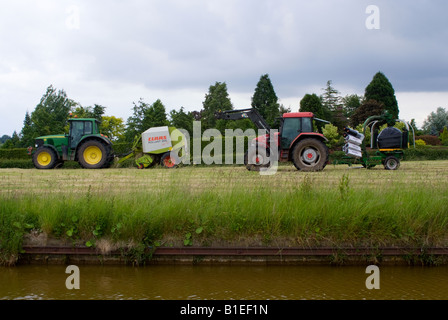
[82, 119]
[298, 115]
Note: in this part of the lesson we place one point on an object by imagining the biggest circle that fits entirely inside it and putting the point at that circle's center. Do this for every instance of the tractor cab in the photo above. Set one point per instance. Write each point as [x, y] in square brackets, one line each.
[294, 124]
[79, 128]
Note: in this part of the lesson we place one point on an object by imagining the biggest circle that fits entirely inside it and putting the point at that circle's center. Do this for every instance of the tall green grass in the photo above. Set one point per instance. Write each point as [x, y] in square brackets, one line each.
[223, 207]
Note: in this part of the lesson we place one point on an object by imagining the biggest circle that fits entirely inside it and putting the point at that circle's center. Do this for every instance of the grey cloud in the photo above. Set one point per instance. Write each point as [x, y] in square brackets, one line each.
[176, 44]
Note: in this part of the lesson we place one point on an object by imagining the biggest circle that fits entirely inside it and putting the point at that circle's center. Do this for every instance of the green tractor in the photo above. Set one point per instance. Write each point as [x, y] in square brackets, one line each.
[84, 144]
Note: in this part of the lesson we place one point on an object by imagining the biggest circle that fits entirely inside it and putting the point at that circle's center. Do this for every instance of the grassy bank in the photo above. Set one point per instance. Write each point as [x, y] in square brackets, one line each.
[129, 208]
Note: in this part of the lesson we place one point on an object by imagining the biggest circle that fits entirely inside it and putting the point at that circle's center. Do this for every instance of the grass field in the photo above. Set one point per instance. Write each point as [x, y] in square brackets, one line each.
[222, 205]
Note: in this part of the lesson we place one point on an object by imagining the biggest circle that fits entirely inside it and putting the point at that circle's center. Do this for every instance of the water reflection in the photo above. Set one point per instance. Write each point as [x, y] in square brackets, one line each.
[177, 282]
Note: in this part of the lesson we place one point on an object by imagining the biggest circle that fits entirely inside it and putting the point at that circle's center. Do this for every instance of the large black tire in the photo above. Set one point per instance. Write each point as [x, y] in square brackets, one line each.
[93, 154]
[310, 155]
[256, 158]
[391, 163]
[111, 156]
[45, 158]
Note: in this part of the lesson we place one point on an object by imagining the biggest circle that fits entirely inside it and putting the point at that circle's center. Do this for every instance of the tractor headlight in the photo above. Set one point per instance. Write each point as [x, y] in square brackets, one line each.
[39, 143]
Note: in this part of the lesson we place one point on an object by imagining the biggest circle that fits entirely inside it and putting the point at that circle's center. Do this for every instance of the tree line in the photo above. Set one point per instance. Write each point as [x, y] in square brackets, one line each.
[51, 114]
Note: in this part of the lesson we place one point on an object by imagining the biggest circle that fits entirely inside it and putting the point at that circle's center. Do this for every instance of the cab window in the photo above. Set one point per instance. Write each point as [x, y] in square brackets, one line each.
[290, 130]
[307, 125]
[88, 127]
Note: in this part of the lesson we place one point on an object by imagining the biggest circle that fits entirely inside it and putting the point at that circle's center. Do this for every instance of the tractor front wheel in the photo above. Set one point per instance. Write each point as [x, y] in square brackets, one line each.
[93, 155]
[310, 155]
[45, 158]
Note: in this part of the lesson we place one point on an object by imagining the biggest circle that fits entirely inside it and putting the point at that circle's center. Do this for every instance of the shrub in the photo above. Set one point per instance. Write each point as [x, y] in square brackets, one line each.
[429, 140]
[444, 136]
[331, 133]
[420, 143]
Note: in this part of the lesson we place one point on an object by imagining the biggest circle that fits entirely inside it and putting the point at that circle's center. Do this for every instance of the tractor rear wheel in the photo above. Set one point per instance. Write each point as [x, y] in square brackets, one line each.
[391, 163]
[310, 155]
[45, 158]
[93, 155]
[169, 161]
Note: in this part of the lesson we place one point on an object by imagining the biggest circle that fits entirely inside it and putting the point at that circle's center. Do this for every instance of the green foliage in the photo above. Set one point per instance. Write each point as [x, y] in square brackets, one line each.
[13, 142]
[429, 140]
[444, 136]
[144, 117]
[12, 230]
[426, 153]
[217, 99]
[399, 125]
[4, 138]
[16, 163]
[51, 114]
[331, 133]
[417, 131]
[351, 103]
[265, 100]
[28, 164]
[112, 127]
[435, 122]
[420, 143]
[182, 120]
[381, 90]
[95, 112]
[27, 132]
[333, 102]
[367, 109]
[312, 103]
[17, 153]
[344, 186]
[331, 99]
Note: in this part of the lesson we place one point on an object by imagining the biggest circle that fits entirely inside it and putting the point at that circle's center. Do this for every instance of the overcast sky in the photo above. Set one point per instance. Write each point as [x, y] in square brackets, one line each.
[115, 52]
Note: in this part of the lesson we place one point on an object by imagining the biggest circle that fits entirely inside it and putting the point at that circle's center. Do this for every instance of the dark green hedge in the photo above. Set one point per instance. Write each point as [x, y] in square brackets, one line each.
[20, 153]
[426, 153]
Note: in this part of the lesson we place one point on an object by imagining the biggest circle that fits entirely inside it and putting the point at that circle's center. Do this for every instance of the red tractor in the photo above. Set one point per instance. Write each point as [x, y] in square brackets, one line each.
[295, 141]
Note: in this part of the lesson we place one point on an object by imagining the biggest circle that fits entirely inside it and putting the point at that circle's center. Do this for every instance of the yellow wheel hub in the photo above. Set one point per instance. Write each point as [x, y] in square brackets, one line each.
[92, 155]
[44, 159]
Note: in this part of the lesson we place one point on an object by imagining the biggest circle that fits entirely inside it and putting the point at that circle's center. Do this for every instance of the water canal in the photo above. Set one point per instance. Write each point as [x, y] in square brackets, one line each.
[212, 282]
